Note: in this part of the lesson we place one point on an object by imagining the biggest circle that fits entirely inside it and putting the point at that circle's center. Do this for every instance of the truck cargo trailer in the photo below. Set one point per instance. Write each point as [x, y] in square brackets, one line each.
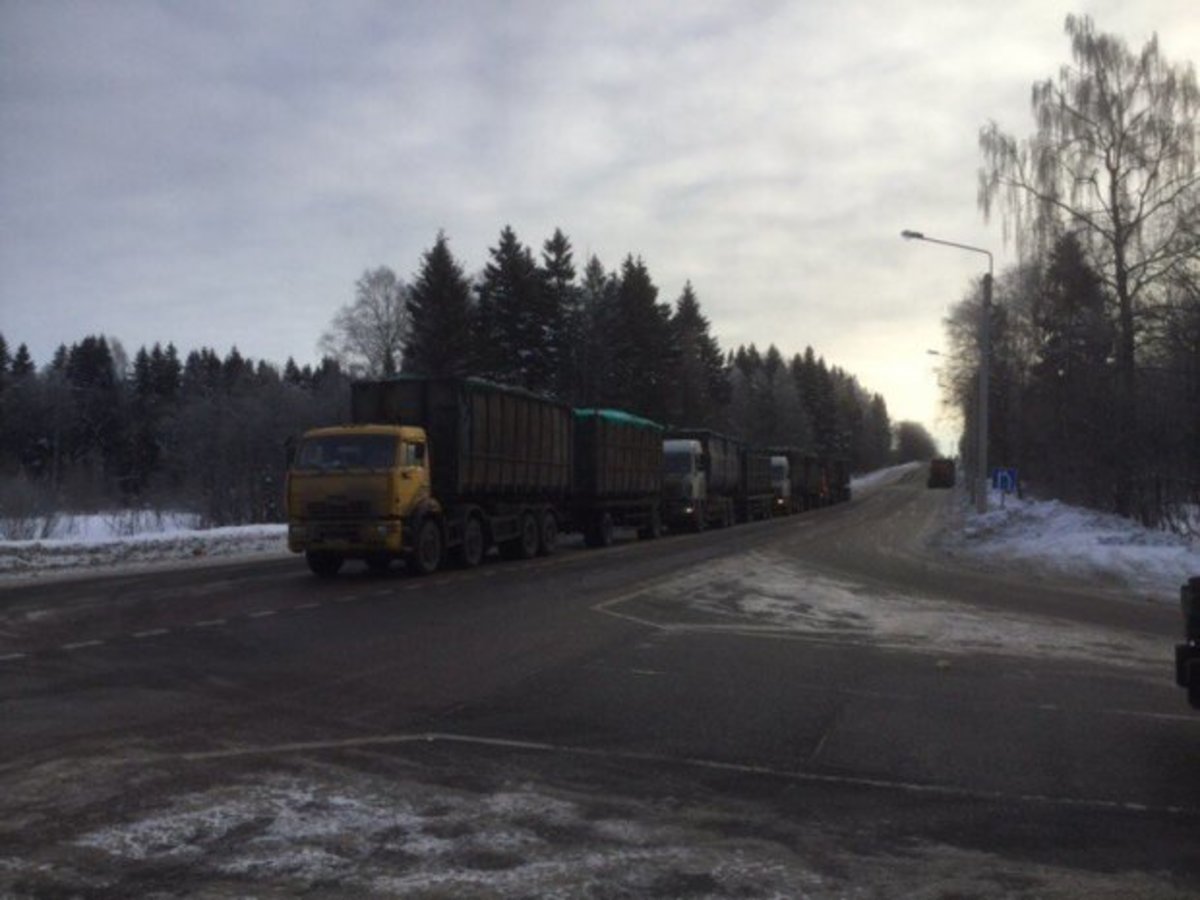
[430, 466]
[618, 475]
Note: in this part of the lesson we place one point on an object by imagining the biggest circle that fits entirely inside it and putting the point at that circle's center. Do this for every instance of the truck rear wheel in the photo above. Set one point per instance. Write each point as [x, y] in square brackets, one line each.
[469, 553]
[323, 563]
[426, 555]
[525, 544]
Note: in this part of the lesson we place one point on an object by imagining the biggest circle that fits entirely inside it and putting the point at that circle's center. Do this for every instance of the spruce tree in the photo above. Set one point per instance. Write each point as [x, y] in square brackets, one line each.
[564, 307]
[701, 385]
[439, 307]
[22, 364]
[515, 325]
[644, 352]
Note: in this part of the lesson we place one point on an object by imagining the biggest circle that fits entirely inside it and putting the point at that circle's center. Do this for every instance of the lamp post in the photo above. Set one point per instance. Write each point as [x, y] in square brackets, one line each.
[985, 361]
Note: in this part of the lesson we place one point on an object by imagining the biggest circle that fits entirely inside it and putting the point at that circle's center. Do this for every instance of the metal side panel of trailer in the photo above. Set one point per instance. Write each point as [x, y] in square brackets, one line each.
[486, 440]
[617, 455]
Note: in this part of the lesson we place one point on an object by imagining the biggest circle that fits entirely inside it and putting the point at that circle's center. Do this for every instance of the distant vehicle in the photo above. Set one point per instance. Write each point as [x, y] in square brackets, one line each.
[702, 478]
[941, 473]
[1187, 654]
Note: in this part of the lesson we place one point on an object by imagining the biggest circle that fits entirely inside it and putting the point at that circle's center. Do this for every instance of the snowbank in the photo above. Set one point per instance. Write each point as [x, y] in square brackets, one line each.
[1068, 540]
[107, 540]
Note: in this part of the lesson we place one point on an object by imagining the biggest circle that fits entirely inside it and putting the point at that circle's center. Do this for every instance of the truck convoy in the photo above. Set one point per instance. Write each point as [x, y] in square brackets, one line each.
[436, 468]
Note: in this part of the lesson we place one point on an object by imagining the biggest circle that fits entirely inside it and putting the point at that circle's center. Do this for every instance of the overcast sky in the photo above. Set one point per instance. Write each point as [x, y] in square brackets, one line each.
[220, 173]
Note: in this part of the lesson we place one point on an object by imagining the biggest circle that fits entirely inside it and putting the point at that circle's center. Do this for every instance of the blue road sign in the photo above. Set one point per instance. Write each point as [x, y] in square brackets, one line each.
[1004, 480]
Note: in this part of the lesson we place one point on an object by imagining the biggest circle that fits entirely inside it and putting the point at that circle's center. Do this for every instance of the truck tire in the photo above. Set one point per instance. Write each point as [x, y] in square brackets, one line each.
[525, 544]
[323, 563]
[700, 519]
[469, 553]
[548, 533]
[426, 554]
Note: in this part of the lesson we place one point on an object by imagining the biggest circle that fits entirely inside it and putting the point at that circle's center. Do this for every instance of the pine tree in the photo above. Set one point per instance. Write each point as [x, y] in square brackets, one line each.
[516, 325]
[598, 299]
[5, 362]
[565, 307]
[22, 364]
[701, 385]
[644, 353]
[439, 308]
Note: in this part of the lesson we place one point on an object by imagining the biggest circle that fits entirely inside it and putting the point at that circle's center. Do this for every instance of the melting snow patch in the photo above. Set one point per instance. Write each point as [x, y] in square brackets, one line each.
[763, 591]
[388, 837]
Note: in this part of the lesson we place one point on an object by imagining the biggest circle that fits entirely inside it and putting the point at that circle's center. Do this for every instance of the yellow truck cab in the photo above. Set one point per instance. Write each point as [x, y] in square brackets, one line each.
[350, 490]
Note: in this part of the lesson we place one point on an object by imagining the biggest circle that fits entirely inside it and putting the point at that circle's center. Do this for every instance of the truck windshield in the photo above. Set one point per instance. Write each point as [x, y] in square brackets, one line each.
[677, 463]
[349, 451]
[779, 470]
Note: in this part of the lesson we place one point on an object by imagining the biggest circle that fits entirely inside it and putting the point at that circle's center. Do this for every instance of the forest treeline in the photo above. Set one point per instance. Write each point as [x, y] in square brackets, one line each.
[1095, 333]
[93, 428]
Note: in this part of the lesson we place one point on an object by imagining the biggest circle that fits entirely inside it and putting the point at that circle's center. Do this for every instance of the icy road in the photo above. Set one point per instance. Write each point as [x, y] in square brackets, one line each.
[832, 705]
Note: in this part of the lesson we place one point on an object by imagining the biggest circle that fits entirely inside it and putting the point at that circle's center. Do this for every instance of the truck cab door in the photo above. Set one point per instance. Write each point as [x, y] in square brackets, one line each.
[413, 485]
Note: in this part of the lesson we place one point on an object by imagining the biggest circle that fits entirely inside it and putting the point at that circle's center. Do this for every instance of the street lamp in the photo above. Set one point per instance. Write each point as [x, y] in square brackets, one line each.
[985, 360]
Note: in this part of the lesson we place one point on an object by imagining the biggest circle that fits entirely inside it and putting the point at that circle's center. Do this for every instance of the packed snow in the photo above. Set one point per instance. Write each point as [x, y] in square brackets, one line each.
[133, 537]
[766, 592]
[375, 837]
[1052, 537]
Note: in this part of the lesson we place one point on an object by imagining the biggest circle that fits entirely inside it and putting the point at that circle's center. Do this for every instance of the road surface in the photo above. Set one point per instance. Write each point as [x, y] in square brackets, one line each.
[818, 706]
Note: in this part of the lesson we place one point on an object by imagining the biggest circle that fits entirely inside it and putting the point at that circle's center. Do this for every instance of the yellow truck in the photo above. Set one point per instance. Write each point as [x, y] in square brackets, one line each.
[455, 466]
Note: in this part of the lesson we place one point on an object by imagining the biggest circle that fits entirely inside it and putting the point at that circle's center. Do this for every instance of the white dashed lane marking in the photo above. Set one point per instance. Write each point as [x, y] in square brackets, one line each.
[151, 632]
[262, 613]
[80, 645]
[12, 656]
[209, 623]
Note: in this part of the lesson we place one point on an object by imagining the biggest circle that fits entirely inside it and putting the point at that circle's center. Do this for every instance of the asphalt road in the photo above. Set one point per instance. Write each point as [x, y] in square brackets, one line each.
[824, 705]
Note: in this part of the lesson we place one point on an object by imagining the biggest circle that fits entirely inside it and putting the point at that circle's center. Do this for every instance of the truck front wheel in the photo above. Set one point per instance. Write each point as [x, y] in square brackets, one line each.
[323, 563]
[426, 556]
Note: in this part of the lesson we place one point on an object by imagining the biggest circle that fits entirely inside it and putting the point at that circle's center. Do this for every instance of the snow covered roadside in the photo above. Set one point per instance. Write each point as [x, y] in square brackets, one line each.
[98, 542]
[1057, 539]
